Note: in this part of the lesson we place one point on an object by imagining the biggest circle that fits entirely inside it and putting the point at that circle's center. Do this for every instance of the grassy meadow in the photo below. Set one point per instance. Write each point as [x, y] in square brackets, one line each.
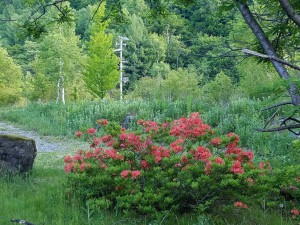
[40, 197]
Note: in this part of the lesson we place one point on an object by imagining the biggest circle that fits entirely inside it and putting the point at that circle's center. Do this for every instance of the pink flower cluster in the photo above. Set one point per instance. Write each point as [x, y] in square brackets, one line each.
[295, 213]
[134, 173]
[239, 204]
[190, 140]
[191, 127]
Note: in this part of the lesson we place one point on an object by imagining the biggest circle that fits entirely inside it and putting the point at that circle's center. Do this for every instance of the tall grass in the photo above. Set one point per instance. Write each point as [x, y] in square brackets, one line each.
[242, 116]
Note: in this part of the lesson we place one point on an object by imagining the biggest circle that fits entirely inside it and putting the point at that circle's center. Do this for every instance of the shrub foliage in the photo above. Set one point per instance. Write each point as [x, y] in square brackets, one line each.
[176, 166]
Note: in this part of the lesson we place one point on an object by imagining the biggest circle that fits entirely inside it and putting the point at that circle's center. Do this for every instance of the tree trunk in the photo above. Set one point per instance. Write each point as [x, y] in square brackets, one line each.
[57, 89]
[290, 11]
[63, 90]
[269, 50]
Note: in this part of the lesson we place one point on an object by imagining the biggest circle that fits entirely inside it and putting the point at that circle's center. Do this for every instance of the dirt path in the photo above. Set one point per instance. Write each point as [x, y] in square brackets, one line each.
[43, 143]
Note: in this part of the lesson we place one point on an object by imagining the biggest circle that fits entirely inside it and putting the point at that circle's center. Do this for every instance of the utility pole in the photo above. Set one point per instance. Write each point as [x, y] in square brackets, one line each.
[120, 49]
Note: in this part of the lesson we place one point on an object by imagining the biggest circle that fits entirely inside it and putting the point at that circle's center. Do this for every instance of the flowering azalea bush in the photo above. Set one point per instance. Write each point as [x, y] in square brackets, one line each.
[179, 165]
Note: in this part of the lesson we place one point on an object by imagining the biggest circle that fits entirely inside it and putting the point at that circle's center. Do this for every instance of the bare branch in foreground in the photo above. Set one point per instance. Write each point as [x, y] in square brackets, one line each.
[287, 127]
[250, 52]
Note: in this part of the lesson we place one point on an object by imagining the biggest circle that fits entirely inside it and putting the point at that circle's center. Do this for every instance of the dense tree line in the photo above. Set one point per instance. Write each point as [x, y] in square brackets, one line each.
[57, 45]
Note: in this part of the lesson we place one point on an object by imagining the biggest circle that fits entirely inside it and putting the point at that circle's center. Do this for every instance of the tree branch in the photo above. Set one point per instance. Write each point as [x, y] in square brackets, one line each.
[287, 127]
[250, 52]
[277, 105]
[43, 8]
[7, 20]
[268, 48]
[98, 7]
[290, 12]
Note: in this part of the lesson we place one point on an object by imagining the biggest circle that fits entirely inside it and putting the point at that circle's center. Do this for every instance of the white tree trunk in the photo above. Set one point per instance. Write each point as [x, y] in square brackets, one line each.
[57, 89]
[63, 90]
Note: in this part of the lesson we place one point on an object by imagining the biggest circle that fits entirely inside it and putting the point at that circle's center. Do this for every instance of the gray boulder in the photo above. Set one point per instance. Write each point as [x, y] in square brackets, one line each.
[17, 154]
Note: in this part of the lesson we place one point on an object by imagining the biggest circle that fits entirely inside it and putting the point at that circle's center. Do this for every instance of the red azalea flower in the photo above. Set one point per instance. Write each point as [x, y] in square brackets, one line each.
[265, 165]
[239, 204]
[82, 167]
[295, 211]
[67, 159]
[135, 174]
[91, 131]
[184, 159]
[237, 168]
[125, 173]
[145, 164]
[102, 122]
[208, 167]
[219, 160]
[106, 138]
[216, 141]
[78, 134]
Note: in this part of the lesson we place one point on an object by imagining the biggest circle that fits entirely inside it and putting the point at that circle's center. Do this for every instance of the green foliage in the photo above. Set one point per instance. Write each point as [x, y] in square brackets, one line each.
[178, 84]
[101, 68]
[59, 55]
[10, 79]
[220, 89]
[259, 81]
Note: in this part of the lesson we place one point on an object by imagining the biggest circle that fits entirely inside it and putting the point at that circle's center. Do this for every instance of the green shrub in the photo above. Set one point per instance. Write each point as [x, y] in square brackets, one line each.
[177, 166]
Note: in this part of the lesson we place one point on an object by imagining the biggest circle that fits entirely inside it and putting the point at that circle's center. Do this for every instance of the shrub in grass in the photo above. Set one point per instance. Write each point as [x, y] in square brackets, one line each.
[174, 166]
